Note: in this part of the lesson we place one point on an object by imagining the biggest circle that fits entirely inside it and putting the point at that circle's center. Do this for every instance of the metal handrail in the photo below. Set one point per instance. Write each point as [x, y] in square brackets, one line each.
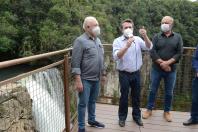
[30, 73]
[23, 60]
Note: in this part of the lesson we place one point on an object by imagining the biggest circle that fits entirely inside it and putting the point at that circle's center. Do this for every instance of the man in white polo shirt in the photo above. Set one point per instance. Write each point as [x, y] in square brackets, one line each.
[127, 52]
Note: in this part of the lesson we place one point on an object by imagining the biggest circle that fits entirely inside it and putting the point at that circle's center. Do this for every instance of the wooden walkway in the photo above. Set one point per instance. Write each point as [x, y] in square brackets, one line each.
[108, 115]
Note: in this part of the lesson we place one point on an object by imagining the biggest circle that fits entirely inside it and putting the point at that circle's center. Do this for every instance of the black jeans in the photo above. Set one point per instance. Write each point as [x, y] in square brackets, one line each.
[129, 80]
[194, 109]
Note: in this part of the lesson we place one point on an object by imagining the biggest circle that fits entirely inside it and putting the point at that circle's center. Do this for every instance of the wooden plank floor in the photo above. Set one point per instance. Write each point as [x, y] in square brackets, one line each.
[108, 115]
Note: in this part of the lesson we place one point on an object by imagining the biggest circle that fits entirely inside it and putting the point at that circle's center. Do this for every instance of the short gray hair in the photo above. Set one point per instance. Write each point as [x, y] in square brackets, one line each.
[88, 19]
[169, 17]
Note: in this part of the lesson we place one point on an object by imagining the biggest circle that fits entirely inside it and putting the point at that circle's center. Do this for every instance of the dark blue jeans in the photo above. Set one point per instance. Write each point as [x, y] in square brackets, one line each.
[129, 80]
[169, 82]
[194, 109]
[87, 99]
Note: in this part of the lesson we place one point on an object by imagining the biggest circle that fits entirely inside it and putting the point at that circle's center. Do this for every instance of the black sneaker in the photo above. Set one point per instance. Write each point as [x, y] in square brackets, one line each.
[138, 122]
[96, 124]
[81, 130]
[190, 122]
[121, 123]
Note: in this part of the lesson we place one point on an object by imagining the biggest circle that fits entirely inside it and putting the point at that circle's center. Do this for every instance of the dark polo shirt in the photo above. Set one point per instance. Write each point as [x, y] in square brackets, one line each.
[166, 48]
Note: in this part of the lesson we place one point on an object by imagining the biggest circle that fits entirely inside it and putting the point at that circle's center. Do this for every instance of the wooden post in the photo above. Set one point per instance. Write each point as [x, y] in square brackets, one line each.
[66, 93]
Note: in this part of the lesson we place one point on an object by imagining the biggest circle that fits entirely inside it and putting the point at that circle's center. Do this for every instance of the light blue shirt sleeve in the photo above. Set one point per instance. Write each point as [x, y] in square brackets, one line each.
[116, 48]
[143, 44]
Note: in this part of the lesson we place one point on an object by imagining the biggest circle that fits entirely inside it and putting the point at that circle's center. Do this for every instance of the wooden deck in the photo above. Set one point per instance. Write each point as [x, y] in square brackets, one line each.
[108, 115]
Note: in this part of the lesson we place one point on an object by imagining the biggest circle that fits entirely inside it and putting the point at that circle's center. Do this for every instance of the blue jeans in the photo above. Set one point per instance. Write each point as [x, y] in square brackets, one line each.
[87, 99]
[194, 108]
[169, 82]
[129, 80]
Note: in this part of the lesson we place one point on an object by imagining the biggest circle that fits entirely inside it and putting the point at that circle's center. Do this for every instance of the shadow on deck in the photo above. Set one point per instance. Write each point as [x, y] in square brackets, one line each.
[156, 123]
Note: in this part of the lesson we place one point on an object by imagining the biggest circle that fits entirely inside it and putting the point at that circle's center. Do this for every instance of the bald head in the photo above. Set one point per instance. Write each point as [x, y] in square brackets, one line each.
[167, 20]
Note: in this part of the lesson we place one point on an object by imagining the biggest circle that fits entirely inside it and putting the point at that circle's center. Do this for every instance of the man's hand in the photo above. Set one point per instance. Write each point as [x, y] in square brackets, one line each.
[167, 69]
[164, 64]
[159, 61]
[103, 81]
[129, 41]
[79, 86]
[143, 32]
[122, 51]
[197, 74]
[78, 83]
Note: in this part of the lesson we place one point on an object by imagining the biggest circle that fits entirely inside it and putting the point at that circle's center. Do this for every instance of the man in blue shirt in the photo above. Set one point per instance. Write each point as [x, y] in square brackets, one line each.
[88, 67]
[128, 56]
[194, 108]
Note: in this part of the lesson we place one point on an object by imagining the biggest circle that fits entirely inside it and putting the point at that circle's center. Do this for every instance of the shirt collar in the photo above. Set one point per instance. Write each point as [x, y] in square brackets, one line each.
[172, 34]
[123, 38]
[88, 36]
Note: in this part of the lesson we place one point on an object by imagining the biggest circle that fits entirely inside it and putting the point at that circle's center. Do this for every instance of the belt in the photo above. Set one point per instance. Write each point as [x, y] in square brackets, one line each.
[126, 72]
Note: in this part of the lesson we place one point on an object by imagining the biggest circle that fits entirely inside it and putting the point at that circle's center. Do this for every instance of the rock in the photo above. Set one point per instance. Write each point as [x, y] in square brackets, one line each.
[15, 109]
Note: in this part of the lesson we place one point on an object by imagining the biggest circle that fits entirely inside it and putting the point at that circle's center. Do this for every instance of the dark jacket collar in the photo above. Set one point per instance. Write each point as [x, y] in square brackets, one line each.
[162, 34]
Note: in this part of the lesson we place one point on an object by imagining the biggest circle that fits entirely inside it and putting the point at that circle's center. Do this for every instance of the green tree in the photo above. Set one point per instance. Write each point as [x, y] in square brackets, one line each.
[29, 27]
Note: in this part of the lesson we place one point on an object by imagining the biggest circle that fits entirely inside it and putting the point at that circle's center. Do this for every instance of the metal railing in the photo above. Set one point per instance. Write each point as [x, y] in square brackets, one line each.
[28, 96]
[29, 99]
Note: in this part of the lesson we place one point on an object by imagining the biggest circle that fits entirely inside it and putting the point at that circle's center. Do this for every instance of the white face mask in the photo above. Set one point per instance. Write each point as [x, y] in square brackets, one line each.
[96, 31]
[166, 27]
[128, 32]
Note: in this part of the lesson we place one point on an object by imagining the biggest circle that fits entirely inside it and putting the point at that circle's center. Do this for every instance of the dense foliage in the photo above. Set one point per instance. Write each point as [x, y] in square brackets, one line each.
[30, 27]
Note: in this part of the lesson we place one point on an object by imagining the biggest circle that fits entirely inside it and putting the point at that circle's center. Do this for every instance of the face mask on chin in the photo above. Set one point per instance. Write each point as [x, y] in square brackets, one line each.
[128, 32]
[166, 27]
[96, 31]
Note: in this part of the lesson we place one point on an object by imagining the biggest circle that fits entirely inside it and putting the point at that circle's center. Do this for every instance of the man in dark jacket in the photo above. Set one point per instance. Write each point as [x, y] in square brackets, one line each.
[194, 108]
[166, 52]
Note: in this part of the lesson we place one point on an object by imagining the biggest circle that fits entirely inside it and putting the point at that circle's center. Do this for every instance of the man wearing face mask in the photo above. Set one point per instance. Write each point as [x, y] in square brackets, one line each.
[166, 52]
[87, 66]
[128, 56]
